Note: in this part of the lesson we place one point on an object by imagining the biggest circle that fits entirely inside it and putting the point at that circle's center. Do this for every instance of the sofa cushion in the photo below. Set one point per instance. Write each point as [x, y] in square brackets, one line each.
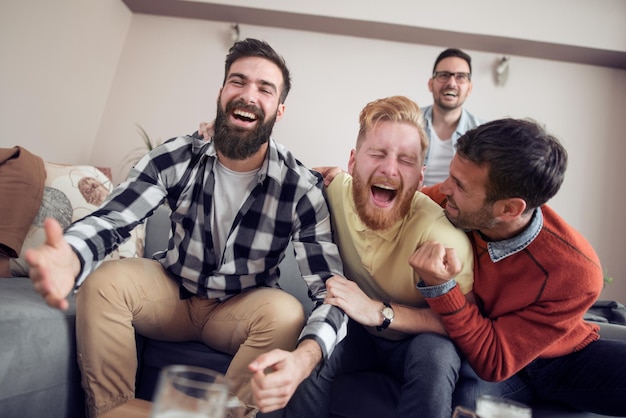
[72, 192]
[38, 371]
[22, 177]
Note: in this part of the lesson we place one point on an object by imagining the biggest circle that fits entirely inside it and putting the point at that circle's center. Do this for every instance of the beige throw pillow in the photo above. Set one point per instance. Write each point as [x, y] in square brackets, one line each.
[72, 192]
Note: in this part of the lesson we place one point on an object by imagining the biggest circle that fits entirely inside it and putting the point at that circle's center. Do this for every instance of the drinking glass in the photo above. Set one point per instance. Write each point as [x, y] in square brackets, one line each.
[494, 407]
[190, 392]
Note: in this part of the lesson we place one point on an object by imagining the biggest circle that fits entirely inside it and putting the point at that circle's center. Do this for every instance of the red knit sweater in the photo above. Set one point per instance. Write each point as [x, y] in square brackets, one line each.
[529, 305]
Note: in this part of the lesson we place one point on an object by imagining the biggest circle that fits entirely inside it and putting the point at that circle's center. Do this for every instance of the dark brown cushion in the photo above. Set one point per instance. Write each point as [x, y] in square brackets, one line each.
[22, 180]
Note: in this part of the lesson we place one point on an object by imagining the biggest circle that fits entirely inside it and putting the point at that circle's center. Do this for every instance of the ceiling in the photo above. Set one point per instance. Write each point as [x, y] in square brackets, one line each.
[379, 30]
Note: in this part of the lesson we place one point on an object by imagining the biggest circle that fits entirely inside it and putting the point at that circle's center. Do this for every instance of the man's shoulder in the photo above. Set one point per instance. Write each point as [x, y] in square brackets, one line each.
[469, 120]
[184, 143]
[427, 216]
[427, 112]
[425, 209]
[291, 169]
[434, 193]
[339, 190]
[557, 227]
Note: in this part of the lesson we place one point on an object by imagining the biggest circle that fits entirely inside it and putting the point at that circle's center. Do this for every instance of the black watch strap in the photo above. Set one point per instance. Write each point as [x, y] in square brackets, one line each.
[386, 320]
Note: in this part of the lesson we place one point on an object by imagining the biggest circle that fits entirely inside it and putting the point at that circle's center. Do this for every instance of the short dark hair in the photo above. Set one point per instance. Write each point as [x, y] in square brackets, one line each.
[453, 52]
[255, 48]
[524, 161]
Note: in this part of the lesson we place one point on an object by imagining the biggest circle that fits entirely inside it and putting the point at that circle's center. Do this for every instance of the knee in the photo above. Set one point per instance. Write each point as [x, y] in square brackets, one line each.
[280, 318]
[104, 285]
[434, 351]
[282, 311]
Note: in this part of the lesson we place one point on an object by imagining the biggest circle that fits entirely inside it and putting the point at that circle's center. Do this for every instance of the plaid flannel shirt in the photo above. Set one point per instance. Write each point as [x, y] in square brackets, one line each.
[285, 204]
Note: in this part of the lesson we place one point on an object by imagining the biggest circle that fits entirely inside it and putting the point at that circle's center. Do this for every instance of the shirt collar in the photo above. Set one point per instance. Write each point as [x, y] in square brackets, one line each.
[266, 169]
[499, 250]
[462, 126]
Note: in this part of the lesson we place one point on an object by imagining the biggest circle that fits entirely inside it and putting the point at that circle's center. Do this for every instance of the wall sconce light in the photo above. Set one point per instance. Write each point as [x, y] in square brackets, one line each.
[501, 70]
[234, 32]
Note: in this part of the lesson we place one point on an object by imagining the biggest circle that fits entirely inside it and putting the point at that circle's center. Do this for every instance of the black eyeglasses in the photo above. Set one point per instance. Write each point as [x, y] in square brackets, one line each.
[443, 76]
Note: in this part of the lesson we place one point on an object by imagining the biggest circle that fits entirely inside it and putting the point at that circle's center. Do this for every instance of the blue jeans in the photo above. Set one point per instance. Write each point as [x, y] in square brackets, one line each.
[592, 379]
[427, 365]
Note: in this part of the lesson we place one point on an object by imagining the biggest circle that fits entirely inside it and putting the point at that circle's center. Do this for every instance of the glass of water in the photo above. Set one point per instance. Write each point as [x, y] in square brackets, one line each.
[190, 392]
[494, 407]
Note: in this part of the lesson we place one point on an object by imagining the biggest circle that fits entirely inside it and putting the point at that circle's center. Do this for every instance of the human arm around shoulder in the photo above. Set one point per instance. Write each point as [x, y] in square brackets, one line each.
[328, 173]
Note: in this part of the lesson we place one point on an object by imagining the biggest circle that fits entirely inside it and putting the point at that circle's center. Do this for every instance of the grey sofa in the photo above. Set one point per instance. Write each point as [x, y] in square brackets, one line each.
[39, 375]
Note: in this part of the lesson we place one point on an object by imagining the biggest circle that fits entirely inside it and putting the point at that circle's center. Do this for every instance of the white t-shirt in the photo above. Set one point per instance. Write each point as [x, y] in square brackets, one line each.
[231, 190]
[440, 155]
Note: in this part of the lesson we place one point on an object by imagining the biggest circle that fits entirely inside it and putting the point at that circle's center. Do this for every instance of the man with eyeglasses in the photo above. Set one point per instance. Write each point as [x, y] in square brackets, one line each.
[446, 120]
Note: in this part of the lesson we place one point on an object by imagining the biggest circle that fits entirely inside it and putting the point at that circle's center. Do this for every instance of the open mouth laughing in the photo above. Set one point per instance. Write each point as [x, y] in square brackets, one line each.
[244, 115]
[383, 195]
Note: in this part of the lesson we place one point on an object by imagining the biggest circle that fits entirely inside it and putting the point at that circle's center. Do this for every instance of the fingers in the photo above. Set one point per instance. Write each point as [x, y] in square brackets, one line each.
[46, 266]
[454, 265]
[435, 263]
[270, 391]
[54, 232]
[320, 170]
[206, 129]
[267, 360]
[328, 173]
[55, 302]
[271, 384]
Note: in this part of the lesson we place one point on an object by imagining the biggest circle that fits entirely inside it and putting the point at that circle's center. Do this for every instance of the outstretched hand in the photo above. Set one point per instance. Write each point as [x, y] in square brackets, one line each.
[53, 267]
[434, 263]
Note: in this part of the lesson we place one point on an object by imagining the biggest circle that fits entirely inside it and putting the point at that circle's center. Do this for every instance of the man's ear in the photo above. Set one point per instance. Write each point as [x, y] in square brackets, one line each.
[351, 161]
[430, 84]
[420, 183]
[280, 111]
[508, 209]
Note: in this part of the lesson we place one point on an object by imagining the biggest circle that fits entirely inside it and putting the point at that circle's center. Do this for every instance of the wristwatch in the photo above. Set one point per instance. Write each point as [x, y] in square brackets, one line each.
[388, 314]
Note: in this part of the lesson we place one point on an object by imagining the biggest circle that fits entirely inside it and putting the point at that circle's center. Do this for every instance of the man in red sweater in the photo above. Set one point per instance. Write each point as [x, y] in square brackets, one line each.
[534, 277]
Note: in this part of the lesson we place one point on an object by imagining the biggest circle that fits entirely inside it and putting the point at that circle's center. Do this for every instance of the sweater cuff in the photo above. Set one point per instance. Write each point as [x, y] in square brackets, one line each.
[448, 303]
[435, 291]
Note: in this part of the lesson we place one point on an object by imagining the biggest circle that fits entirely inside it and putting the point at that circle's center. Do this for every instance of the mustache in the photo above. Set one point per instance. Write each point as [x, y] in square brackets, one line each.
[396, 184]
[255, 110]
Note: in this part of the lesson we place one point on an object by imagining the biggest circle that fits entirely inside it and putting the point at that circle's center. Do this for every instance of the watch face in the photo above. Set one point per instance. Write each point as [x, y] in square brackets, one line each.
[387, 312]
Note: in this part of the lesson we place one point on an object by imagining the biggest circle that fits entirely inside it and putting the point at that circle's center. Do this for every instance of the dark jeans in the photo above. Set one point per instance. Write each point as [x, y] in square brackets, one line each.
[427, 366]
[592, 379]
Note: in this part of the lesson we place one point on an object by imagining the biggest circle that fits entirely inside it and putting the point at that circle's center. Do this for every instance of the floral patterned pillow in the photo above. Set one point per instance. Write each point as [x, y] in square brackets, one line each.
[71, 192]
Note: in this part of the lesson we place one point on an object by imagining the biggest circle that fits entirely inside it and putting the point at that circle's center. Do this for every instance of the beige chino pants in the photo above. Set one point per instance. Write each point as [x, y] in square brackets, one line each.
[136, 294]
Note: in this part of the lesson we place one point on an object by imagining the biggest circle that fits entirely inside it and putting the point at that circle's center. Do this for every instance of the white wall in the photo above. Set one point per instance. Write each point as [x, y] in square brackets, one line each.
[58, 62]
[170, 70]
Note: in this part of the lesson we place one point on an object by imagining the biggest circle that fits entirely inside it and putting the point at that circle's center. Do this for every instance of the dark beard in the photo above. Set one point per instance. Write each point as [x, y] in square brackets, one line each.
[480, 219]
[375, 218]
[236, 143]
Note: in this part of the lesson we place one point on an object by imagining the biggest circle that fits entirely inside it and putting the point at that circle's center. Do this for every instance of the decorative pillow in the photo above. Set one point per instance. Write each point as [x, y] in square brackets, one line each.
[71, 192]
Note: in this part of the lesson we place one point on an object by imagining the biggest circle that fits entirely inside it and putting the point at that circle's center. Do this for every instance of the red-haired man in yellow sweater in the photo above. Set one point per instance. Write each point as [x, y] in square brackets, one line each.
[534, 277]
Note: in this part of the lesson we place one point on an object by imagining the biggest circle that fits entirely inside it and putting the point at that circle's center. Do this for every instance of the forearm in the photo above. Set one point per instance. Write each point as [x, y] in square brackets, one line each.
[309, 355]
[412, 320]
[326, 326]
